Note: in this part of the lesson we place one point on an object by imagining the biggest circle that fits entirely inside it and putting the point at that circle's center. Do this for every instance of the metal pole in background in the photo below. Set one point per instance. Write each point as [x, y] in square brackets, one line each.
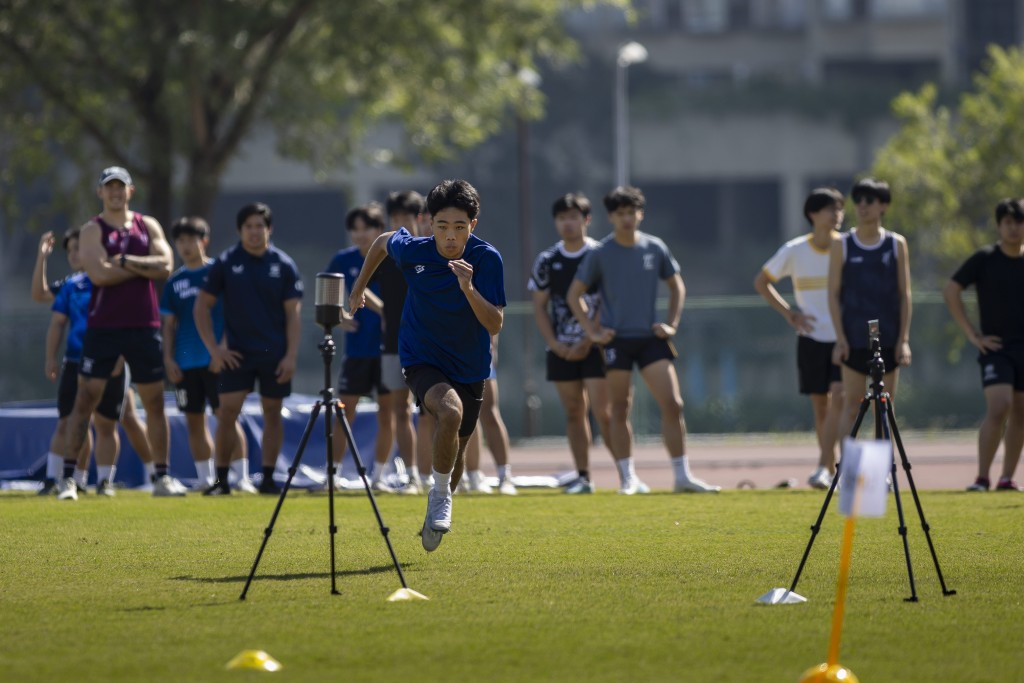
[630, 53]
[532, 402]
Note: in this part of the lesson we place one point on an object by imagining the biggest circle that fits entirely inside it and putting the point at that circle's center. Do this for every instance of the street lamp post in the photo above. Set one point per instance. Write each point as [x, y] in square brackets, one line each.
[531, 407]
[630, 53]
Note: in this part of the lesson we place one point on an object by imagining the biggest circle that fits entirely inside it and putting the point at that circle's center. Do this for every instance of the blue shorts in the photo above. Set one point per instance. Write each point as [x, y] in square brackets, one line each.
[243, 378]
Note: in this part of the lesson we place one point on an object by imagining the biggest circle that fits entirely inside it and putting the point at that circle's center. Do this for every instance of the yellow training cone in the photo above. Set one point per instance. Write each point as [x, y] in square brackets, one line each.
[257, 660]
[403, 594]
[823, 673]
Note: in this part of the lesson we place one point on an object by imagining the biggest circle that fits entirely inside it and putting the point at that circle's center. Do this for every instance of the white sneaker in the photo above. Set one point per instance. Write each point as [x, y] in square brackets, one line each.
[477, 482]
[633, 486]
[581, 485]
[695, 485]
[167, 487]
[438, 521]
[245, 486]
[67, 489]
[821, 478]
[507, 488]
[106, 488]
[381, 486]
[411, 489]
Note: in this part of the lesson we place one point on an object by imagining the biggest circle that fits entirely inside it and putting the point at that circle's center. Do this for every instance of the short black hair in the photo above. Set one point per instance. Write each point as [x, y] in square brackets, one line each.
[570, 201]
[190, 225]
[870, 187]
[254, 209]
[624, 196]
[1010, 207]
[371, 214]
[70, 234]
[819, 198]
[455, 194]
[406, 201]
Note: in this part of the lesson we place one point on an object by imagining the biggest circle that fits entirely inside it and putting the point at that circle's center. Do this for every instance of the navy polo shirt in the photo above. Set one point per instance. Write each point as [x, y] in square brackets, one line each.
[254, 289]
[365, 341]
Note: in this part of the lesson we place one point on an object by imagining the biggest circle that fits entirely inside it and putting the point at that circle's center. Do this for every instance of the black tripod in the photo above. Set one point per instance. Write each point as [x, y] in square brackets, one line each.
[331, 406]
[885, 428]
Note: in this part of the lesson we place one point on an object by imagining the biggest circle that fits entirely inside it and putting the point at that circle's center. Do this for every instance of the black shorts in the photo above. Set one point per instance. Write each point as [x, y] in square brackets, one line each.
[243, 378]
[111, 403]
[197, 388]
[360, 377]
[814, 365]
[621, 354]
[140, 346]
[859, 359]
[562, 370]
[1005, 366]
[422, 378]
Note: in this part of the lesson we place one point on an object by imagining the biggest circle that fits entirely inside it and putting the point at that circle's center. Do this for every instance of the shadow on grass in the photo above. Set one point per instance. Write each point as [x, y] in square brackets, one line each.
[381, 569]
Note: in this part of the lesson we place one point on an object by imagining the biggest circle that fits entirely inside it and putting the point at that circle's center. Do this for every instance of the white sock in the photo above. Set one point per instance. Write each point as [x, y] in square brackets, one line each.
[475, 476]
[504, 472]
[241, 468]
[204, 471]
[54, 465]
[378, 471]
[681, 468]
[442, 483]
[105, 472]
[150, 471]
[414, 474]
[81, 477]
[627, 470]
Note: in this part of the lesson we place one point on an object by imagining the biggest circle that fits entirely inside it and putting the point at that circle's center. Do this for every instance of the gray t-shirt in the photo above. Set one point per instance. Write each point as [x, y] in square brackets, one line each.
[628, 278]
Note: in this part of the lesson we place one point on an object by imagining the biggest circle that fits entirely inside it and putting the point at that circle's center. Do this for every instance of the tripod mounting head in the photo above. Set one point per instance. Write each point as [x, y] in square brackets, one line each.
[876, 366]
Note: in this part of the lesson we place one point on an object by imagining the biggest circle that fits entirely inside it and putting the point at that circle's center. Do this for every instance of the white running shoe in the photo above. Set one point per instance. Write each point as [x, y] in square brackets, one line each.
[633, 486]
[245, 486]
[67, 489]
[438, 521]
[821, 478]
[695, 486]
[381, 486]
[167, 487]
[507, 488]
[477, 482]
[106, 488]
[411, 489]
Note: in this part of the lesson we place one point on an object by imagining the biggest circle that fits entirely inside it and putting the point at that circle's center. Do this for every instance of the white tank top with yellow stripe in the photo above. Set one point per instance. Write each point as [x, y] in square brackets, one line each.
[807, 266]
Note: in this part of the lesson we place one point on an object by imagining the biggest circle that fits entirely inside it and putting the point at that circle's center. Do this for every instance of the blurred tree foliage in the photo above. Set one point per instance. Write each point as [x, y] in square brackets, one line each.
[949, 166]
[171, 89]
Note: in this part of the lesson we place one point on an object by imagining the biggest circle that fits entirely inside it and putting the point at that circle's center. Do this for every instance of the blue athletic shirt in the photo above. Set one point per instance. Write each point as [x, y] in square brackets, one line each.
[254, 289]
[71, 298]
[178, 299]
[438, 326]
[364, 342]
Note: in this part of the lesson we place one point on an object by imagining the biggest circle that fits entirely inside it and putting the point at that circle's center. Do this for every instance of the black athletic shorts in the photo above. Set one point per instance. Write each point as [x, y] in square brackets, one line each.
[562, 370]
[859, 359]
[621, 354]
[360, 377]
[814, 365]
[111, 403]
[197, 388]
[140, 346]
[422, 378]
[243, 378]
[1005, 366]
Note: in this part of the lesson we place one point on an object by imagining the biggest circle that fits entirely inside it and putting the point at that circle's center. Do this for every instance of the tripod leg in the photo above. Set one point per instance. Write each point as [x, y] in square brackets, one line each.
[284, 492]
[917, 500]
[828, 497]
[369, 492]
[902, 529]
[332, 528]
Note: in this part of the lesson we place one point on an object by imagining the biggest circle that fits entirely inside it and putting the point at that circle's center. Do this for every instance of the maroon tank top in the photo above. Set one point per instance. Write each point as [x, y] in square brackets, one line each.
[132, 303]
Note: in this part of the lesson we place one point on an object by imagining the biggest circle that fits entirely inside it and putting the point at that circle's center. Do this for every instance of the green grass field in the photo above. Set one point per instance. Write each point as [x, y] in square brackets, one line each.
[543, 587]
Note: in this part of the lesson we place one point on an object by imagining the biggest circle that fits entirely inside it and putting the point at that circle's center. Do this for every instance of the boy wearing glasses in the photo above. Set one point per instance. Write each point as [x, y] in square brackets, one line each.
[869, 279]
